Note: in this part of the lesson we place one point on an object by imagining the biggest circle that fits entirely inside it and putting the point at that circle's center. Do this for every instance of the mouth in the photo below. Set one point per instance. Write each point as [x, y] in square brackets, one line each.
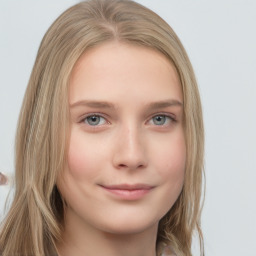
[128, 192]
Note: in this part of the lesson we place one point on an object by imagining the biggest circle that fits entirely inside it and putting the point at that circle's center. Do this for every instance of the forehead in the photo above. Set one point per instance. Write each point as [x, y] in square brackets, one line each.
[118, 69]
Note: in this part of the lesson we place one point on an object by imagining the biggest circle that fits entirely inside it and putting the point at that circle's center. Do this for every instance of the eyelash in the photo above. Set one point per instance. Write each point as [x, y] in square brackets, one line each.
[99, 115]
[166, 117]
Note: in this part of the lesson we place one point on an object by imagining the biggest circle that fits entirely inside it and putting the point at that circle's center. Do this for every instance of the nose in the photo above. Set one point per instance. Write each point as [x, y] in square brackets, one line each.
[130, 150]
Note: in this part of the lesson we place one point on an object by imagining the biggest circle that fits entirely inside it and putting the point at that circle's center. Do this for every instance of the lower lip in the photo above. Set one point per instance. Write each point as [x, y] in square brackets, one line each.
[125, 194]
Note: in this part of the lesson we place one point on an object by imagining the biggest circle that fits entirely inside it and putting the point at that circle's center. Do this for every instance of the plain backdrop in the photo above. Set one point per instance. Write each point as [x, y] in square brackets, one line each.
[220, 38]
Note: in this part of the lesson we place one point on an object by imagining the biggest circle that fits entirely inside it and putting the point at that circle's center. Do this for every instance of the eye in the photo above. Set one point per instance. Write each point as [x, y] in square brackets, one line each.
[94, 120]
[161, 120]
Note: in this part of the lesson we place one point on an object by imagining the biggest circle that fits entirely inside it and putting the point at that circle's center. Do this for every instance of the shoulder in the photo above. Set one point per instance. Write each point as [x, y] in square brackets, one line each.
[167, 251]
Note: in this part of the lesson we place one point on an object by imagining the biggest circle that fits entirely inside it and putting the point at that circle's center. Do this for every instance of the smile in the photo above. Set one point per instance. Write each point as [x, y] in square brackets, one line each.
[128, 192]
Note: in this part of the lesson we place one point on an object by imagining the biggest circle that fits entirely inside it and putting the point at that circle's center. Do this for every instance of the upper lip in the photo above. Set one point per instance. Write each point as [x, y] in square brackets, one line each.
[128, 186]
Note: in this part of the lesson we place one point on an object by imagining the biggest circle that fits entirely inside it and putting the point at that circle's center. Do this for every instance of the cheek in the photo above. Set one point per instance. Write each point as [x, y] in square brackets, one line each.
[176, 161]
[171, 156]
[77, 157]
[169, 161]
[81, 156]
[87, 155]
[77, 160]
[171, 164]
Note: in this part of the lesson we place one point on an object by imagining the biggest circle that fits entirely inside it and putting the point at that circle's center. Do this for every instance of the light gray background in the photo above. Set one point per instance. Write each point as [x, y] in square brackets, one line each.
[220, 39]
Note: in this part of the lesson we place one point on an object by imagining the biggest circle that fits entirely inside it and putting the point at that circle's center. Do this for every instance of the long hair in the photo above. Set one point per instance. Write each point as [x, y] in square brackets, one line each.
[35, 219]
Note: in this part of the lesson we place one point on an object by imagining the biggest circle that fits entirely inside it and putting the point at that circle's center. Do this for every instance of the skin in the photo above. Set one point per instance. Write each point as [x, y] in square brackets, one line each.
[3, 179]
[126, 157]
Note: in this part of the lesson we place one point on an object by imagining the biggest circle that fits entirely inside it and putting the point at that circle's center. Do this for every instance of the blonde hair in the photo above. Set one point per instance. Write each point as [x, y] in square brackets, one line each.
[34, 222]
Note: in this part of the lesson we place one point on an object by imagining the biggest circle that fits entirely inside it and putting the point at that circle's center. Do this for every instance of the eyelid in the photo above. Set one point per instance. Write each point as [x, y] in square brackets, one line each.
[104, 116]
[168, 115]
[82, 119]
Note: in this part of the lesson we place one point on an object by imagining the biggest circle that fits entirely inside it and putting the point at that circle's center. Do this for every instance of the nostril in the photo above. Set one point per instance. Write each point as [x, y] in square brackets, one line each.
[131, 166]
[129, 153]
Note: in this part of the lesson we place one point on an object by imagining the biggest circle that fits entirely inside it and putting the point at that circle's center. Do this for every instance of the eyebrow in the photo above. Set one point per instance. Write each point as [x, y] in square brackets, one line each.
[92, 104]
[105, 104]
[165, 104]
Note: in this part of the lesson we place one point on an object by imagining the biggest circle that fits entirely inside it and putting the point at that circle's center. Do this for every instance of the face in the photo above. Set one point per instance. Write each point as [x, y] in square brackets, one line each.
[126, 157]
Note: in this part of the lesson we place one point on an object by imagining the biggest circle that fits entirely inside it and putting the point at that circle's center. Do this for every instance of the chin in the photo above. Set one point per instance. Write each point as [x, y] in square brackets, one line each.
[128, 225]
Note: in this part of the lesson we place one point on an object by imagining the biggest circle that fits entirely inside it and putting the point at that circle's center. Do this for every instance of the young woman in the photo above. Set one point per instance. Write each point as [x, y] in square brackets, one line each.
[109, 145]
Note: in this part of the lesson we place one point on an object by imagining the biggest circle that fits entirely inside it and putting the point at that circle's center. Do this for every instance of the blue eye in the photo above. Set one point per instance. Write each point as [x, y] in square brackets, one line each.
[161, 120]
[94, 120]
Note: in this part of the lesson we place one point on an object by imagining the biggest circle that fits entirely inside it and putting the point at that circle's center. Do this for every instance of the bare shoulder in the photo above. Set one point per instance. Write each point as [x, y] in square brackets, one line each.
[167, 251]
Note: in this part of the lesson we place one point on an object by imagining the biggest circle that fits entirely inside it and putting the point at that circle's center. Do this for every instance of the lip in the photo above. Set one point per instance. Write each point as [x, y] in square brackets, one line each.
[128, 192]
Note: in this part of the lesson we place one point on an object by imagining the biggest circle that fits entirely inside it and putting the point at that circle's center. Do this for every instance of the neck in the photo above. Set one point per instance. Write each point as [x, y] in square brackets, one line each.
[83, 240]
